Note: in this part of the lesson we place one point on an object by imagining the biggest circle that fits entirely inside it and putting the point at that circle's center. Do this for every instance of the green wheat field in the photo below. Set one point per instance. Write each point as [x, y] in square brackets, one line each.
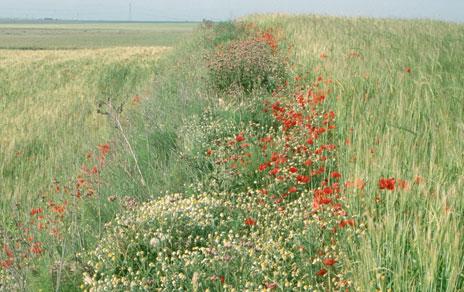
[272, 153]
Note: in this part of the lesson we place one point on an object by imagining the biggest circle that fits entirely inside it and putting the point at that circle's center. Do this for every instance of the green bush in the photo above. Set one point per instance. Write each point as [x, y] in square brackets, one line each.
[248, 65]
[223, 32]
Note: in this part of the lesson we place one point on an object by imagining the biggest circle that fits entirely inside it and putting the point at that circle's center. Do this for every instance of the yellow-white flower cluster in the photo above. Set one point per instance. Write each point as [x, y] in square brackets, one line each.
[181, 242]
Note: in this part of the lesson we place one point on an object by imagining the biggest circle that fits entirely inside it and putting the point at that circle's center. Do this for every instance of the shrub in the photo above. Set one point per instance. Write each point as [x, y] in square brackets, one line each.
[248, 65]
[223, 32]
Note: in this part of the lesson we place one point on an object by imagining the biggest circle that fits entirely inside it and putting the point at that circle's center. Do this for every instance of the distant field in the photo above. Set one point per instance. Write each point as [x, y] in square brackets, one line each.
[48, 113]
[91, 35]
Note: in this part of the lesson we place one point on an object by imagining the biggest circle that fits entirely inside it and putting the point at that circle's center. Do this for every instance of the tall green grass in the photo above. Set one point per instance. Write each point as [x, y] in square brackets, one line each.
[49, 109]
[49, 121]
[400, 125]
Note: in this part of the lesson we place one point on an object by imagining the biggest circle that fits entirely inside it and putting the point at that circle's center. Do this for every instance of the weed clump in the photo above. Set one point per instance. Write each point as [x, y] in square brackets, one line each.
[249, 64]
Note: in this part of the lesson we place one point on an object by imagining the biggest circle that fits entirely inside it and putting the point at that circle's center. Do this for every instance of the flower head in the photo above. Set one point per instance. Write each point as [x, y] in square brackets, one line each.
[387, 184]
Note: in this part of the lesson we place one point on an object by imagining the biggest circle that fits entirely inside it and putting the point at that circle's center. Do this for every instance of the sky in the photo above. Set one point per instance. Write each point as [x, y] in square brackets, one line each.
[193, 10]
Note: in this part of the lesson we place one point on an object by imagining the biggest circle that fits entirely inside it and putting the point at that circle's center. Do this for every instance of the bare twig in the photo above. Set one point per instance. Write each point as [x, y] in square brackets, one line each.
[114, 113]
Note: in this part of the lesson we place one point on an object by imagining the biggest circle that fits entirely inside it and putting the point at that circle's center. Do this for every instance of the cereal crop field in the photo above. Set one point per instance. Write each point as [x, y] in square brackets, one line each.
[271, 153]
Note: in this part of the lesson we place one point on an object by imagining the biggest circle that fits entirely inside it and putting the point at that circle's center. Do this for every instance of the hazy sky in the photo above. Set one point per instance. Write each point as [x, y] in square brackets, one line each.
[452, 10]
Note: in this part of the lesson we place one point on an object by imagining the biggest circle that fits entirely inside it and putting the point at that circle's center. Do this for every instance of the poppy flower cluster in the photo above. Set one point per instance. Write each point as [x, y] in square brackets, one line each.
[387, 184]
[298, 159]
[46, 223]
[274, 187]
[271, 208]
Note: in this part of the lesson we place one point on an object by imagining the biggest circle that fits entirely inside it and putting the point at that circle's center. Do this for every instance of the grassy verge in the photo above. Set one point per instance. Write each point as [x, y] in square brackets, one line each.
[397, 100]
[231, 174]
[49, 121]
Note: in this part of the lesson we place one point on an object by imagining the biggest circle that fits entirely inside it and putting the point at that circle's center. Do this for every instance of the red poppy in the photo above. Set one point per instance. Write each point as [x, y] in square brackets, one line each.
[104, 149]
[292, 190]
[303, 179]
[403, 184]
[346, 222]
[293, 169]
[407, 69]
[359, 183]
[325, 201]
[266, 139]
[36, 248]
[418, 180]
[321, 272]
[8, 251]
[274, 171]
[278, 158]
[262, 166]
[308, 162]
[387, 184]
[338, 206]
[36, 211]
[136, 99]
[215, 278]
[6, 264]
[278, 201]
[328, 191]
[335, 174]
[270, 40]
[94, 170]
[329, 262]
[80, 181]
[250, 221]
[239, 137]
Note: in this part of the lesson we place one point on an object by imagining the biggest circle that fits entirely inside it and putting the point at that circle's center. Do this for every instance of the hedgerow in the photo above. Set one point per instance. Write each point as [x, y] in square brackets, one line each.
[269, 212]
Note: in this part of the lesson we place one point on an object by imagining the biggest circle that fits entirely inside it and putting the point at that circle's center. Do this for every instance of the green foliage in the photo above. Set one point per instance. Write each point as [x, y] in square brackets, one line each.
[224, 32]
[165, 143]
[117, 80]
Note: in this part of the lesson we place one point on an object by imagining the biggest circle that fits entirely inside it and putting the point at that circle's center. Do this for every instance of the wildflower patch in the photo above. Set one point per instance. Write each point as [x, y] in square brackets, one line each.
[277, 217]
[248, 65]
